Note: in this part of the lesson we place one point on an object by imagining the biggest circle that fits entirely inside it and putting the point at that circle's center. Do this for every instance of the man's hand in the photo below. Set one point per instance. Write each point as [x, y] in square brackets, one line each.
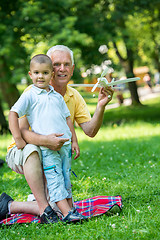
[91, 127]
[54, 142]
[75, 148]
[105, 96]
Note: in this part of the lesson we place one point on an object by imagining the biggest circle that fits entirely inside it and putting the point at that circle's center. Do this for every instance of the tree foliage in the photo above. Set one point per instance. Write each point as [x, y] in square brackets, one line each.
[129, 29]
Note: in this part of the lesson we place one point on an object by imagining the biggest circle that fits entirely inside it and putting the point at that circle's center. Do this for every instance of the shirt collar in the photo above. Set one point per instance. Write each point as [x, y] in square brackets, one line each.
[40, 90]
[68, 94]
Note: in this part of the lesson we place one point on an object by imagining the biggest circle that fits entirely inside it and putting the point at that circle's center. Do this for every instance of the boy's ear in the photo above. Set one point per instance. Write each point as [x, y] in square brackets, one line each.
[52, 74]
[52, 77]
[30, 74]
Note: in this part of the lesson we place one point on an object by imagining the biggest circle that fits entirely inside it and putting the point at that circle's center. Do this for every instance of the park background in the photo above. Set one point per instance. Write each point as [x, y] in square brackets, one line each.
[123, 159]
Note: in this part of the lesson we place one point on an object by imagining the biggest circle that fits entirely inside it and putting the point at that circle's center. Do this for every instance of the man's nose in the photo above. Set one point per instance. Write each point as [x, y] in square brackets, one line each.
[62, 67]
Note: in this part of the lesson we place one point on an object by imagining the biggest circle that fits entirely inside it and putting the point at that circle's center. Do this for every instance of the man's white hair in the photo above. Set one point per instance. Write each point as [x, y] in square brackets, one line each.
[61, 48]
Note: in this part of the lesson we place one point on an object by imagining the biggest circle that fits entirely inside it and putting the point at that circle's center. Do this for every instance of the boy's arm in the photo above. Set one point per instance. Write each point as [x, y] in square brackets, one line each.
[75, 146]
[15, 130]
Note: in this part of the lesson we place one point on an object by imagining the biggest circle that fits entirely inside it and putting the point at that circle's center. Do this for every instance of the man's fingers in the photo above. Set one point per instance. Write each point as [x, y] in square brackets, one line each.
[59, 134]
[63, 140]
[108, 92]
[77, 155]
[77, 150]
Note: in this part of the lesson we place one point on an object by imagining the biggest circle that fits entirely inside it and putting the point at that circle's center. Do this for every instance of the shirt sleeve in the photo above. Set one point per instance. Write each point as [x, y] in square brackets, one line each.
[21, 106]
[81, 111]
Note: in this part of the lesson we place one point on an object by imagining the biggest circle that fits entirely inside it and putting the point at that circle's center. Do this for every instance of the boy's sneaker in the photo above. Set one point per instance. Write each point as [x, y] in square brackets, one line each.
[4, 200]
[49, 216]
[74, 216]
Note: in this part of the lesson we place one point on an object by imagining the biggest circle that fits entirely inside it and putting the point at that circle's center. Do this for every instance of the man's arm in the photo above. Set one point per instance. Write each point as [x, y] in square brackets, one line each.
[52, 141]
[91, 127]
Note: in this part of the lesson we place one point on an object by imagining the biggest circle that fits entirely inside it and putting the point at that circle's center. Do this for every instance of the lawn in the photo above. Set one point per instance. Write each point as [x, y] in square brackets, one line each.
[123, 159]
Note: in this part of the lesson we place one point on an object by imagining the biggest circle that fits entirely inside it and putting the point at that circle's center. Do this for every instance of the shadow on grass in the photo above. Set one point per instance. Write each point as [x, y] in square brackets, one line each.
[148, 113]
[13, 183]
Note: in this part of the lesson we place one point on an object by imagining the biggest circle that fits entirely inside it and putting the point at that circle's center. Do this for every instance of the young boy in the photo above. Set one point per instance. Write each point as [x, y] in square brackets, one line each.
[47, 113]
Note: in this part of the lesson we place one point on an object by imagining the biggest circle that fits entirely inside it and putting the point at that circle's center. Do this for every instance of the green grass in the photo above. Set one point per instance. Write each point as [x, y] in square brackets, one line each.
[123, 159]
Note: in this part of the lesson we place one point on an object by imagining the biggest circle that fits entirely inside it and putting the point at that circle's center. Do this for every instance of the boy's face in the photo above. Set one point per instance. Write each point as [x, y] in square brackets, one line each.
[41, 74]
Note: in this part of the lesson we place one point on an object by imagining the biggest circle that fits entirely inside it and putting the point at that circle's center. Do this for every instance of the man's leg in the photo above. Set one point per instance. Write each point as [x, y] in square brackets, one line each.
[28, 162]
[24, 207]
[8, 205]
[34, 176]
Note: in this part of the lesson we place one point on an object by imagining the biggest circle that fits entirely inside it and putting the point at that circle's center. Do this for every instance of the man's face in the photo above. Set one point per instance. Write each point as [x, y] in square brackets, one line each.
[62, 67]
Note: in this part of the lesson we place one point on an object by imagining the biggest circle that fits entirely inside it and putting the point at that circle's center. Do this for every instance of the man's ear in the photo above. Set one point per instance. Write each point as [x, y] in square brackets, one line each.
[72, 69]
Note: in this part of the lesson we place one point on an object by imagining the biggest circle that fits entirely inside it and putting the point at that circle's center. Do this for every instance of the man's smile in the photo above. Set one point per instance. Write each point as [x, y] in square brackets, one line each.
[62, 75]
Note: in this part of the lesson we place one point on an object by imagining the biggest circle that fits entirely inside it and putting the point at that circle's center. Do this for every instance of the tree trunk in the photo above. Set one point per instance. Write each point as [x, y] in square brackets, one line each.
[134, 94]
[127, 64]
[131, 85]
[8, 89]
[3, 123]
[10, 93]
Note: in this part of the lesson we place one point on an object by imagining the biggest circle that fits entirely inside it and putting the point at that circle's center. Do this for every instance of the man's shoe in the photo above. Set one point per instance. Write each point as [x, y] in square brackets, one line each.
[1, 162]
[74, 216]
[49, 216]
[4, 200]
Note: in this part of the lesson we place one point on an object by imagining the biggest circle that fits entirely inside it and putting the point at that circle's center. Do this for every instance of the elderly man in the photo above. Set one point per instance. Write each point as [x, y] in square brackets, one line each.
[28, 161]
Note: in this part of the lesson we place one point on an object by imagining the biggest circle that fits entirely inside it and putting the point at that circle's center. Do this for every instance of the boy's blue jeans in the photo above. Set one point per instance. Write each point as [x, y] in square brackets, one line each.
[57, 169]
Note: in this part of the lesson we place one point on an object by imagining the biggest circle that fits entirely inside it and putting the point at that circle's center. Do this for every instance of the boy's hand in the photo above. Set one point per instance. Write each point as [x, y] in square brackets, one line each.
[20, 143]
[75, 148]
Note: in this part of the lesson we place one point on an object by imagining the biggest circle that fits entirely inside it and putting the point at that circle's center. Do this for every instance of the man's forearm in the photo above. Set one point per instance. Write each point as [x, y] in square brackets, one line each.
[53, 141]
[33, 138]
[92, 127]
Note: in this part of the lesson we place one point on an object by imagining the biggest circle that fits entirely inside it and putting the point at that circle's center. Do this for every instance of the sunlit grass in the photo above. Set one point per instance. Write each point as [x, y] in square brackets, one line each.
[120, 160]
[4, 142]
[124, 131]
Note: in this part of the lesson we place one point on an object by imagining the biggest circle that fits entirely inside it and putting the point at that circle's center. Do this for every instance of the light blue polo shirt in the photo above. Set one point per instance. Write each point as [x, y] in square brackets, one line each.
[46, 111]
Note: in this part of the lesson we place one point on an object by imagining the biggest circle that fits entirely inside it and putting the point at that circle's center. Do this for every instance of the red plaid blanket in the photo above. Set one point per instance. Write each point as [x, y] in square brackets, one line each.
[90, 207]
